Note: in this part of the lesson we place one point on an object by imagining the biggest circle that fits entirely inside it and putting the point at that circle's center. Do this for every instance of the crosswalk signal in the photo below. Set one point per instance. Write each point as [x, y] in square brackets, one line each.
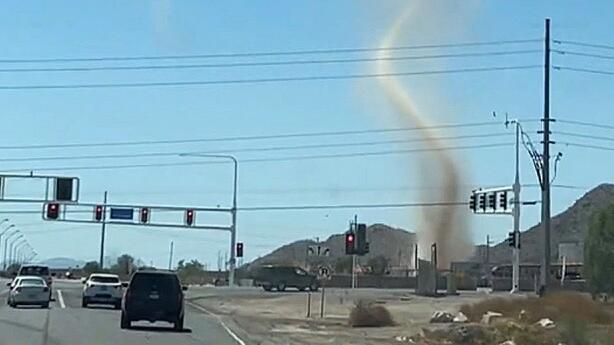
[98, 210]
[503, 200]
[53, 211]
[472, 205]
[144, 215]
[189, 217]
[482, 201]
[350, 242]
[239, 249]
[492, 201]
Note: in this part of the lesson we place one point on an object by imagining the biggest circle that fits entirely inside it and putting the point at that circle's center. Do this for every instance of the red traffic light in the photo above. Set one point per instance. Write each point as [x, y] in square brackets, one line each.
[350, 238]
[98, 210]
[144, 215]
[189, 217]
[239, 249]
[350, 246]
[53, 211]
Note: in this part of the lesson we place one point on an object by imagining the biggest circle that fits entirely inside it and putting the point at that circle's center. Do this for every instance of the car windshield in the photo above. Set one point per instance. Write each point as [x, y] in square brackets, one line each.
[34, 271]
[31, 281]
[154, 282]
[101, 279]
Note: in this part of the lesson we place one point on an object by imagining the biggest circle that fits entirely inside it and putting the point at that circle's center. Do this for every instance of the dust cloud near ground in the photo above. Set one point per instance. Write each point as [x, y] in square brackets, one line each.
[444, 225]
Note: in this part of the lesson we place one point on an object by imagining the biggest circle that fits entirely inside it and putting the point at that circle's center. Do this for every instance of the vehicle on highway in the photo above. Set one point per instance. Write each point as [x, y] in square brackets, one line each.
[41, 271]
[28, 290]
[281, 277]
[153, 296]
[102, 288]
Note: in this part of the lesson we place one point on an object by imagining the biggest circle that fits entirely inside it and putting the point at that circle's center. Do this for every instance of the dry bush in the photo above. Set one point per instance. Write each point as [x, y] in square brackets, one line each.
[556, 306]
[365, 314]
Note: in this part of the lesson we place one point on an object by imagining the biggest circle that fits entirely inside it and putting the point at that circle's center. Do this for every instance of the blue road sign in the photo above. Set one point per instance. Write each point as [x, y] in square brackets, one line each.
[122, 213]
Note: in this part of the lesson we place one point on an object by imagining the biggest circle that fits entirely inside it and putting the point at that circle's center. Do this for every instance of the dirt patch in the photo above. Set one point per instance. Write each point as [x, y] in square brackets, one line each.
[557, 306]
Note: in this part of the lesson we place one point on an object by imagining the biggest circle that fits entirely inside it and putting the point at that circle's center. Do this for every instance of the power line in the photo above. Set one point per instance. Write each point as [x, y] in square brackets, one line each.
[588, 124]
[252, 137]
[277, 53]
[584, 70]
[597, 56]
[597, 147]
[251, 149]
[266, 63]
[258, 160]
[587, 136]
[261, 80]
[584, 44]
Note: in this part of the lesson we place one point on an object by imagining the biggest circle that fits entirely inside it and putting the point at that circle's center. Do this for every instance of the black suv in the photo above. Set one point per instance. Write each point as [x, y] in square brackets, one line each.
[281, 277]
[153, 296]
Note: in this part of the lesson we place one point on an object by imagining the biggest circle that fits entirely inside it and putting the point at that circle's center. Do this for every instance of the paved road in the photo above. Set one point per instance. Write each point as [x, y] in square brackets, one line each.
[66, 323]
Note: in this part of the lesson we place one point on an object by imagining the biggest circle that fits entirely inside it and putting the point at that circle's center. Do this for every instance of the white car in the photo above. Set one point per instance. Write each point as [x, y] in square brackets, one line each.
[101, 288]
[28, 290]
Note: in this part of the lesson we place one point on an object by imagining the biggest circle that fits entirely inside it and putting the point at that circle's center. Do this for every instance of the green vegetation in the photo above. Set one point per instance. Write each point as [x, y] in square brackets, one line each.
[599, 252]
[365, 314]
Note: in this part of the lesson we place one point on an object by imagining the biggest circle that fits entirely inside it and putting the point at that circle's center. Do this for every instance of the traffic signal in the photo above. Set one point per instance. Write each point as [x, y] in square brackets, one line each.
[53, 211]
[492, 201]
[361, 239]
[350, 248]
[366, 247]
[472, 202]
[482, 201]
[239, 249]
[98, 211]
[144, 215]
[511, 239]
[503, 200]
[63, 189]
[189, 218]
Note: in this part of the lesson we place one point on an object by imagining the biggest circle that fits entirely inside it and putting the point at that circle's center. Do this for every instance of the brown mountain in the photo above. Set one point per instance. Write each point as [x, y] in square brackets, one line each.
[397, 245]
[568, 230]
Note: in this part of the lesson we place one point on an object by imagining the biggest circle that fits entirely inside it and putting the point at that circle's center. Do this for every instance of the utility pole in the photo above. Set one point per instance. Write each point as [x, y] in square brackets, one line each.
[545, 268]
[354, 255]
[516, 215]
[487, 261]
[170, 257]
[103, 230]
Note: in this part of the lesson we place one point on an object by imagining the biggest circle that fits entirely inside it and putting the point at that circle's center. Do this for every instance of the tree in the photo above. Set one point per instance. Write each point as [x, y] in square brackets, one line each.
[124, 266]
[379, 264]
[91, 267]
[190, 271]
[599, 252]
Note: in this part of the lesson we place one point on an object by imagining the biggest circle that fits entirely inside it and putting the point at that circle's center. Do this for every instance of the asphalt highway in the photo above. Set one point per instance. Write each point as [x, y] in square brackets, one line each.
[66, 323]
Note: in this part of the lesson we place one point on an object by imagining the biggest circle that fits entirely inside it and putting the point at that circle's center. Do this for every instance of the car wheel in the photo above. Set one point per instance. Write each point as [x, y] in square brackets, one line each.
[45, 305]
[124, 321]
[281, 287]
[313, 287]
[84, 302]
[178, 326]
[267, 287]
[117, 305]
[302, 288]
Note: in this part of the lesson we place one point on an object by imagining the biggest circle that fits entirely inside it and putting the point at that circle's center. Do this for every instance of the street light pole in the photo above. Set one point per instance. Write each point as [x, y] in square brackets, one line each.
[4, 221]
[233, 211]
[4, 232]
[14, 244]
[6, 240]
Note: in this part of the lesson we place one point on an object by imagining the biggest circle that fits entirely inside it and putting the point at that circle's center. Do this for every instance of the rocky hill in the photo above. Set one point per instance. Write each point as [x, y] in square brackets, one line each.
[568, 230]
[397, 245]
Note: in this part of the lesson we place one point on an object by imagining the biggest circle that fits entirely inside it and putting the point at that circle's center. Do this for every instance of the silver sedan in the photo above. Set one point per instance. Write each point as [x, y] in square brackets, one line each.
[28, 290]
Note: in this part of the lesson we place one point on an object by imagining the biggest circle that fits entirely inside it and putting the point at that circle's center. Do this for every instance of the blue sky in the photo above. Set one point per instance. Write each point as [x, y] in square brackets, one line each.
[140, 28]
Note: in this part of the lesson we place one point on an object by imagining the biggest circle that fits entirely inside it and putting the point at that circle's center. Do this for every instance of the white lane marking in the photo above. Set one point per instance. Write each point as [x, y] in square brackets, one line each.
[61, 299]
[219, 319]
